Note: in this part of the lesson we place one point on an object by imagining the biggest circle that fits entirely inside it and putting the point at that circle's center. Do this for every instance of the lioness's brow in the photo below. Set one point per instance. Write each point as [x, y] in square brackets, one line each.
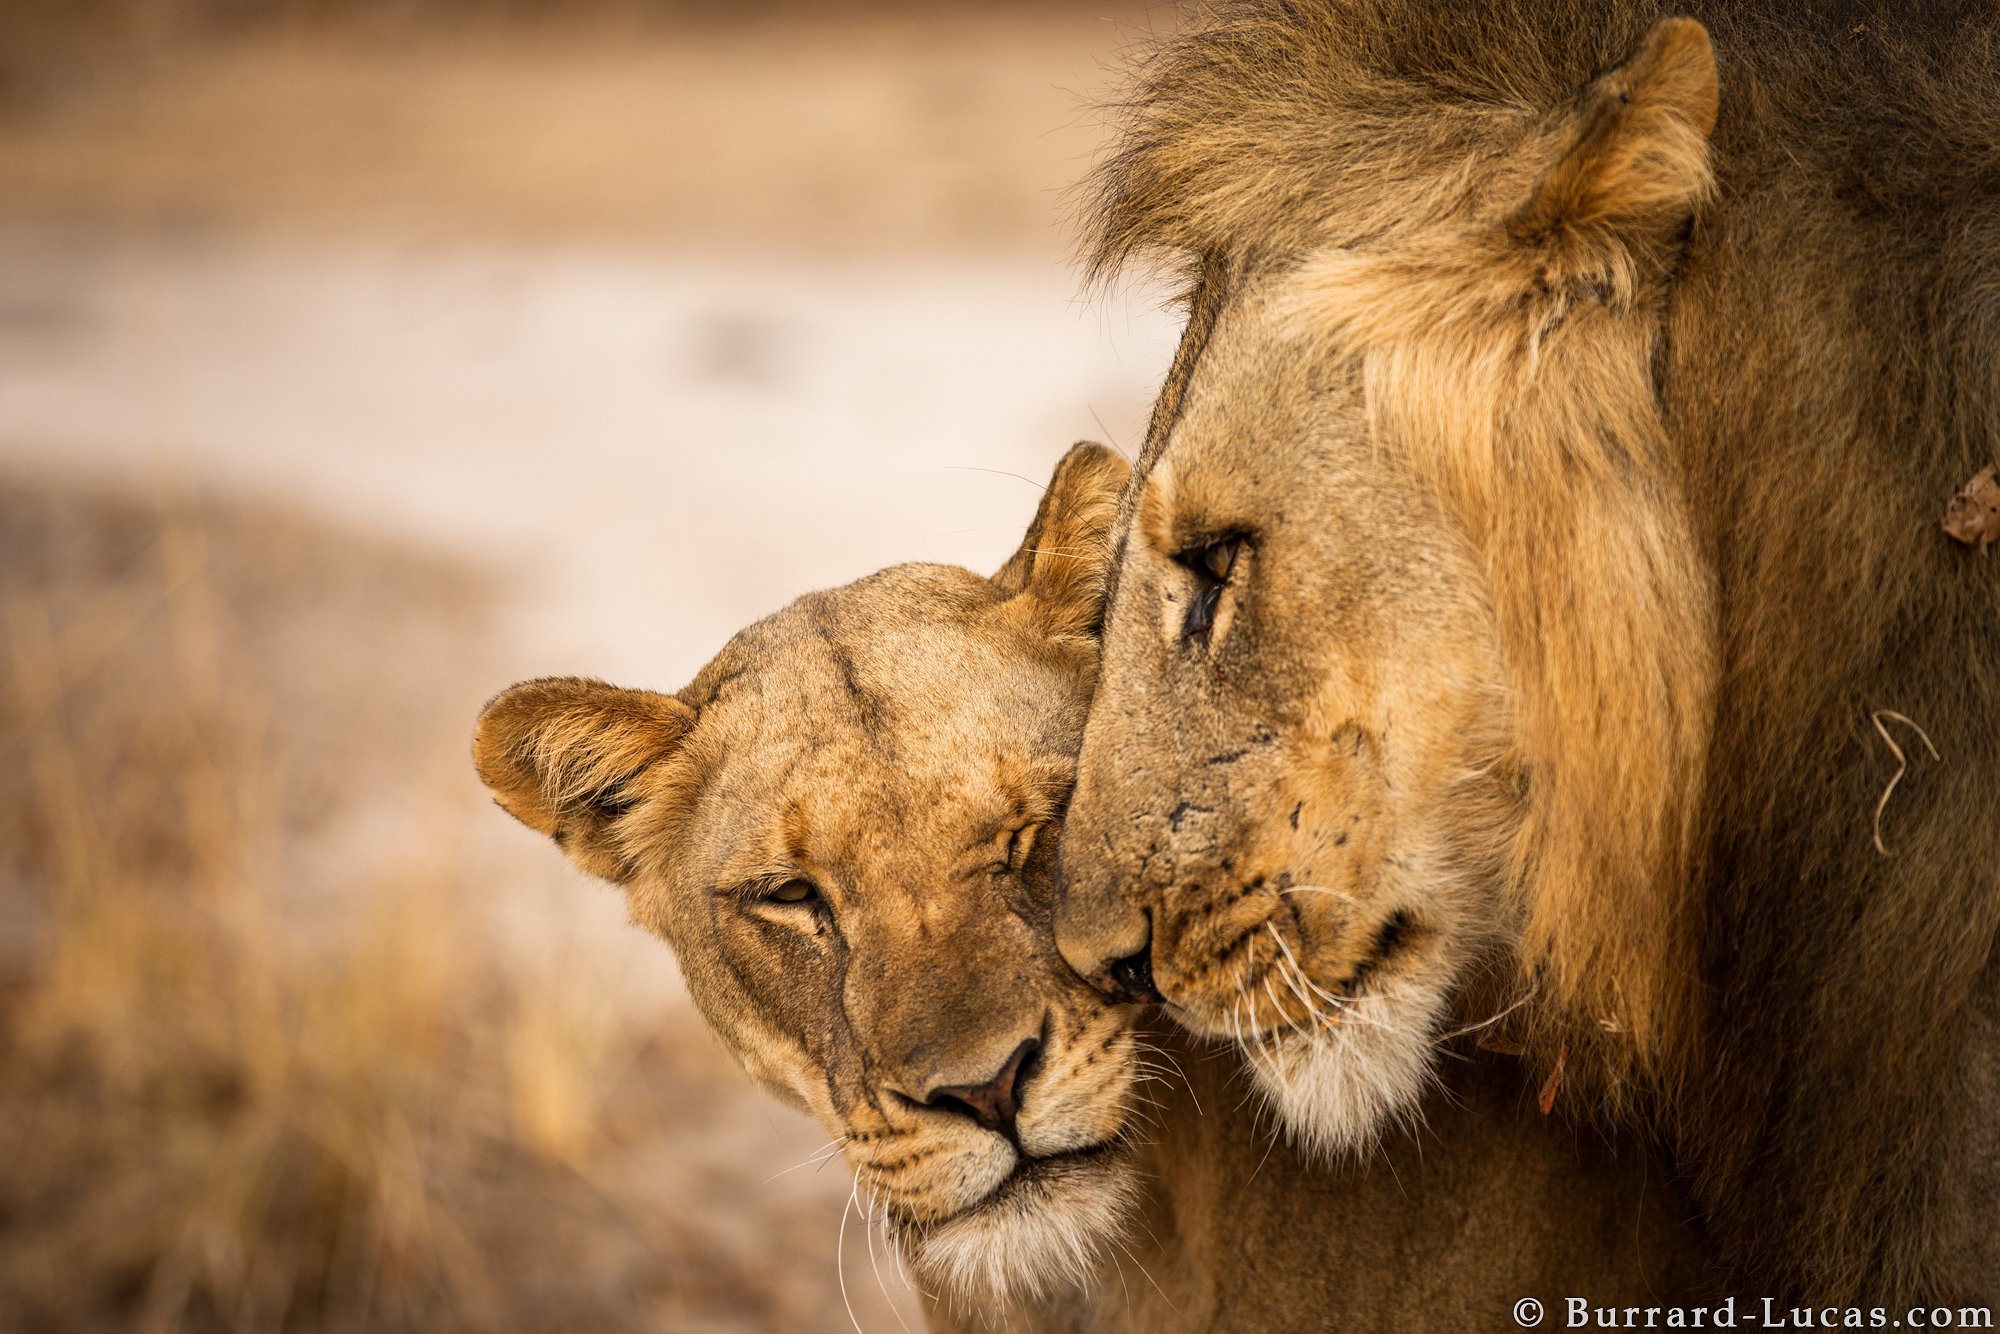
[990, 850]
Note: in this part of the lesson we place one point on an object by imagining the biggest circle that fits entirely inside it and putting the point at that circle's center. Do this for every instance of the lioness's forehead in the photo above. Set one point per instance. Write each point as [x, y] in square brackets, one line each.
[916, 669]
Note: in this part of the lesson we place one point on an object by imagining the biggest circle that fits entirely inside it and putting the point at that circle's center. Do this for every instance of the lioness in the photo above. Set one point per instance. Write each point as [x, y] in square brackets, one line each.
[845, 828]
[1536, 552]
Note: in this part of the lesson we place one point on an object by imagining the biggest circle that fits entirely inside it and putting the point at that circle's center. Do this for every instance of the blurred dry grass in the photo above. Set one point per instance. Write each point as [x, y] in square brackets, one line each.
[288, 1040]
[237, 1099]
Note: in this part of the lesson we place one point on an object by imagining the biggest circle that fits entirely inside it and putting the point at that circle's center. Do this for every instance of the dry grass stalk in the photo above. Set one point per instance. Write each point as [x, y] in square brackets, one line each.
[222, 1119]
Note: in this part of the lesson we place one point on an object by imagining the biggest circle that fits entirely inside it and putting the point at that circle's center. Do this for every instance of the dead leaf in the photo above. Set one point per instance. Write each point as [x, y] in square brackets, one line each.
[1555, 1080]
[1973, 516]
[1495, 1042]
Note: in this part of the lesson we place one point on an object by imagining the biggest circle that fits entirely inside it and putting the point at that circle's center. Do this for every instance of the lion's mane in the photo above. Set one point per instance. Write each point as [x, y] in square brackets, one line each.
[1712, 525]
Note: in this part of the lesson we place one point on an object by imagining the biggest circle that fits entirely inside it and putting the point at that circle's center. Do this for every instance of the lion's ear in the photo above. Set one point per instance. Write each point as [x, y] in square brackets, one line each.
[1634, 153]
[564, 755]
[1063, 560]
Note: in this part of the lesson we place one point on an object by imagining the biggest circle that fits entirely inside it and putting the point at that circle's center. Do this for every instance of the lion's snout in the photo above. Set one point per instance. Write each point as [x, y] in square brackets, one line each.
[1107, 942]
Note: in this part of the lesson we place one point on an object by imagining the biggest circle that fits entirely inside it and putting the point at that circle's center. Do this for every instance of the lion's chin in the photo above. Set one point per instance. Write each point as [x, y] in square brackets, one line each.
[1334, 1089]
[1044, 1230]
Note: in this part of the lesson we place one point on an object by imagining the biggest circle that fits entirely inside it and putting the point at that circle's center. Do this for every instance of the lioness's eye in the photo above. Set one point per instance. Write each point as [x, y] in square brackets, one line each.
[793, 891]
[1020, 844]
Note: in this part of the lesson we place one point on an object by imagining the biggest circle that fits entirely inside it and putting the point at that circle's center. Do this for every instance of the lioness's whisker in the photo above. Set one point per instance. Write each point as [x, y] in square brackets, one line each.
[875, 1264]
[997, 472]
[1148, 1273]
[1288, 970]
[1338, 1002]
[1146, 1049]
[839, 1258]
[819, 1157]
[1279, 1010]
[1125, 1288]
[1267, 1156]
[1154, 1060]
[1316, 889]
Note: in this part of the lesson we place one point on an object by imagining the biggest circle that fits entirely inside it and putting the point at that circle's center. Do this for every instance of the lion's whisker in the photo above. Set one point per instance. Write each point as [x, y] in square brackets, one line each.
[1489, 1021]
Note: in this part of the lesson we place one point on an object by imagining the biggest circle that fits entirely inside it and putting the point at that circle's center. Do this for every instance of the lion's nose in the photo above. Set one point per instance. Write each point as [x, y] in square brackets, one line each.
[1118, 962]
[1104, 938]
[994, 1103]
[1128, 980]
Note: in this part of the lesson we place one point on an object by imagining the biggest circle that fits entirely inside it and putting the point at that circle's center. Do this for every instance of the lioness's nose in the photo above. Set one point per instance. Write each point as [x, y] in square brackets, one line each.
[994, 1103]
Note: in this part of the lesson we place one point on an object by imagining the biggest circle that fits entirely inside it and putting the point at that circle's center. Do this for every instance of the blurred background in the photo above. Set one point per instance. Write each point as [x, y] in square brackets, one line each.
[358, 358]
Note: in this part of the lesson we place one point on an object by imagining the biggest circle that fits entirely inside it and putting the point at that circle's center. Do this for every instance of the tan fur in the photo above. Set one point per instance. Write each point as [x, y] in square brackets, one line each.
[902, 745]
[898, 798]
[1587, 470]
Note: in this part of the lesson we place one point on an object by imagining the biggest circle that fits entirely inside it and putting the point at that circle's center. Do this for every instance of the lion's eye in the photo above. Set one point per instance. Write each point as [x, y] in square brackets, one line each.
[1220, 557]
[794, 891]
[1211, 564]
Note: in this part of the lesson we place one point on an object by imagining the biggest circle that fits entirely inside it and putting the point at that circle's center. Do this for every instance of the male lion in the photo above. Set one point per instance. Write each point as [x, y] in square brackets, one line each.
[843, 827]
[1535, 545]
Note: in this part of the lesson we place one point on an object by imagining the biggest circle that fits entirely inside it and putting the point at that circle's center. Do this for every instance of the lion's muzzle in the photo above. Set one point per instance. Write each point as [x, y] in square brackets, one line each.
[1107, 942]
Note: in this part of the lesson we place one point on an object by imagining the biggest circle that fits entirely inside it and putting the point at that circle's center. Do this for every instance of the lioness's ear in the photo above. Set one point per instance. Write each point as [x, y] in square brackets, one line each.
[563, 755]
[1635, 152]
[1063, 560]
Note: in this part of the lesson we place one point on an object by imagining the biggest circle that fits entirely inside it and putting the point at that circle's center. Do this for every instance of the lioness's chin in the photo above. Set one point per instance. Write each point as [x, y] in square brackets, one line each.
[1334, 1089]
[1042, 1231]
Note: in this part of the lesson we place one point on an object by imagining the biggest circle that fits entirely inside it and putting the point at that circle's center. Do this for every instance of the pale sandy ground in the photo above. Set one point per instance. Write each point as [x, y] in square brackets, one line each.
[660, 448]
[661, 327]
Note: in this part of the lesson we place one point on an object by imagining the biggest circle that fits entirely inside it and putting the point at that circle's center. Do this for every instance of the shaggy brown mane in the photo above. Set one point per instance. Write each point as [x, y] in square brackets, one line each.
[1782, 396]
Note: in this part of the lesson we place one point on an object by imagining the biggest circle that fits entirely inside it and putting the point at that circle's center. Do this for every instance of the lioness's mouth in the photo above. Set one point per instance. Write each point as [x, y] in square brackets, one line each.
[1043, 1228]
[1029, 1168]
[1030, 1173]
[1033, 1176]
